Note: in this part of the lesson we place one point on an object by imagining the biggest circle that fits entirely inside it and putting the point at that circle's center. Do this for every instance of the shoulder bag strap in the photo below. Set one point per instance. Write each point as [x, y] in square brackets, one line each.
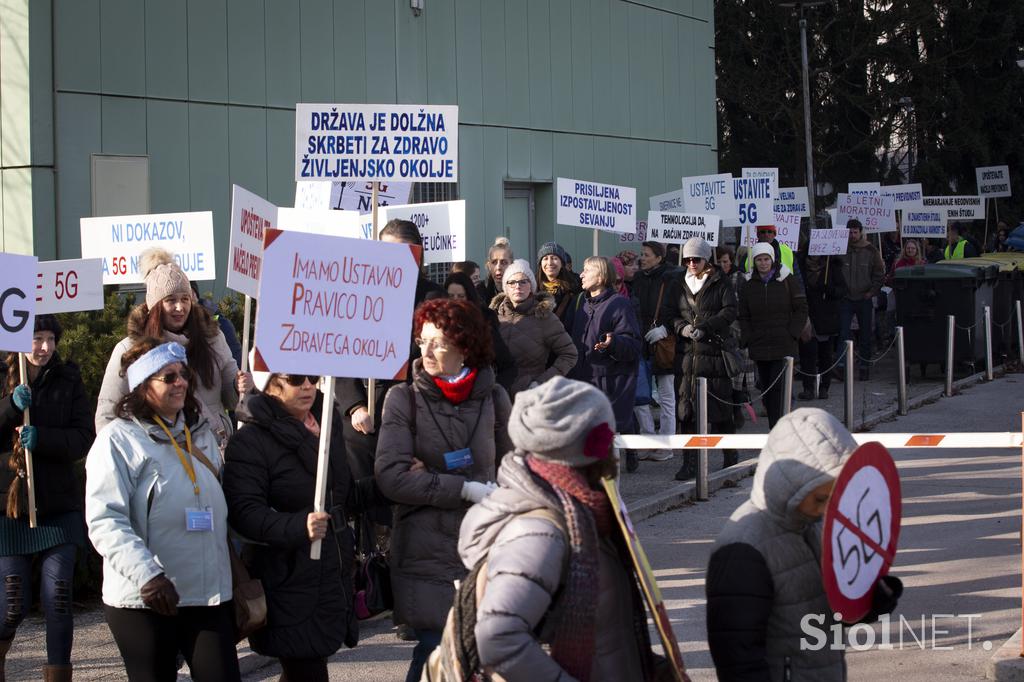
[657, 306]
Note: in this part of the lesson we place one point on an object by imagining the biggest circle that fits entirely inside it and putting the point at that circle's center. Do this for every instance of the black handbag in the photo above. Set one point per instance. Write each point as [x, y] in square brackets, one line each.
[731, 356]
[373, 592]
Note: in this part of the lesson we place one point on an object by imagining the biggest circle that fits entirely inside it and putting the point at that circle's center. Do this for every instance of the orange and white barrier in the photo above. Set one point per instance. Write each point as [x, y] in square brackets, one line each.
[756, 441]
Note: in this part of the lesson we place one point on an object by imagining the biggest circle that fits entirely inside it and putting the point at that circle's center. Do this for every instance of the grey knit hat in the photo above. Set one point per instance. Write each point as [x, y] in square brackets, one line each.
[562, 420]
[552, 249]
[696, 247]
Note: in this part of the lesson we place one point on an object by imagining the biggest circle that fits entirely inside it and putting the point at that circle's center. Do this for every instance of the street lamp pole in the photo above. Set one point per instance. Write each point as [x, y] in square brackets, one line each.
[807, 118]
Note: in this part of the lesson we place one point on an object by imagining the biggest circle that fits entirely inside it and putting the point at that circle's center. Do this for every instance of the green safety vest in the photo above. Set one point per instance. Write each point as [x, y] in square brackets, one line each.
[785, 254]
[958, 250]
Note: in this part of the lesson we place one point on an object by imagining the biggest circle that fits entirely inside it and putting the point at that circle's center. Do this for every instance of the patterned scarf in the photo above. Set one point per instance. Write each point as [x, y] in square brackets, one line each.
[588, 513]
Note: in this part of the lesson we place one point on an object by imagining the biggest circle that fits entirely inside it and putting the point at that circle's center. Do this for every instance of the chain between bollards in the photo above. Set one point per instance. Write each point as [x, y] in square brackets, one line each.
[702, 426]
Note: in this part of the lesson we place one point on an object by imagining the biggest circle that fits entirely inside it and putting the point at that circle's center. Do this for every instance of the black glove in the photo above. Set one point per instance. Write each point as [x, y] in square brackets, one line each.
[159, 594]
[888, 590]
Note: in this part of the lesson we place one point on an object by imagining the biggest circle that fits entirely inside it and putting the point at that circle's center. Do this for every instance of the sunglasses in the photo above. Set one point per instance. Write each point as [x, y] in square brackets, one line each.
[297, 380]
[185, 374]
[693, 259]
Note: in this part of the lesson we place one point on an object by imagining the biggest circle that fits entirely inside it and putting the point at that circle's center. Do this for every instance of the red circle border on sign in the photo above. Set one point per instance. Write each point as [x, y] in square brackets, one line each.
[872, 454]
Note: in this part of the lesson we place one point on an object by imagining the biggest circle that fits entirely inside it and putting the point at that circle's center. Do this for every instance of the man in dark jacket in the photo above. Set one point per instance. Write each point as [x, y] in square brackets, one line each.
[864, 273]
[825, 286]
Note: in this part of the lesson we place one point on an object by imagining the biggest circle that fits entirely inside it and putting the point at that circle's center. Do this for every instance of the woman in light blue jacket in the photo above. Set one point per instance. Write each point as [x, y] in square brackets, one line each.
[157, 516]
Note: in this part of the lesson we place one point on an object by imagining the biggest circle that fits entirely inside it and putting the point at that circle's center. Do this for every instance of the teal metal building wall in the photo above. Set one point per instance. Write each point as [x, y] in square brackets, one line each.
[610, 90]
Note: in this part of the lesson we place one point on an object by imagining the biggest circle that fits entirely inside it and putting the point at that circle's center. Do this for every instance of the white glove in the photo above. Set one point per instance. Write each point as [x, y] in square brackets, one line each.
[687, 331]
[696, 334]
[474, 491]
[656, 334]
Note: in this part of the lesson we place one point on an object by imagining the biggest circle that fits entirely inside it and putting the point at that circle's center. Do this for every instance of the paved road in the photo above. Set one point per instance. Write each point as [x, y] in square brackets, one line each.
[959, 554]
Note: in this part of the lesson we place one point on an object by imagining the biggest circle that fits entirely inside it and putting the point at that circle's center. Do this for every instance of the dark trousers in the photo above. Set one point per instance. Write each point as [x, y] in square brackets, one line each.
[767, 373]
[862, 310]
[149, 643]
[427, 641]
[816, 357]
[57, 572]
[303, 670]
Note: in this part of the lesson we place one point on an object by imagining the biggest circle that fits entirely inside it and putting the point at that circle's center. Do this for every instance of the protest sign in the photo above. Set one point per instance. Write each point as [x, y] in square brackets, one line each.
[755, 201]
[923, 224]
[313, 194]
[677, 228]
[833, 242]
[637, 237]
[993, 181]
[251, 216]
[904, 196]
[861, 530]
[324, 313]
[349, 196]
[957, 207]
[65, 286]
[119, 240]
[669, 201]
[377, 142]
[793, 200]
[787, 230]
[874, 211]
[596, 205]
[833, 217]
[442, 226]
[869, 188]
[771, 173]
[17, 304]
[709, 194]
[327, 222]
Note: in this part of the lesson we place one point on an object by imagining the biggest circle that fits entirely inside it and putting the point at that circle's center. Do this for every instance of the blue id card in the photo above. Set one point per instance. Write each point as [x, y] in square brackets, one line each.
[458, 459]
[198, 520]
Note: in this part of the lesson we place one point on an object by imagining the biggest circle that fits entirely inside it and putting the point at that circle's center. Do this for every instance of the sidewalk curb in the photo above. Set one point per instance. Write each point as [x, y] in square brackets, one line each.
[1006, 664]
[686, 493]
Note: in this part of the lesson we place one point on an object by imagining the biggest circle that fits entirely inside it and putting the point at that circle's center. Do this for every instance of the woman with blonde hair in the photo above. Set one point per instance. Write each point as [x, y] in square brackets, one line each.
[499, 257]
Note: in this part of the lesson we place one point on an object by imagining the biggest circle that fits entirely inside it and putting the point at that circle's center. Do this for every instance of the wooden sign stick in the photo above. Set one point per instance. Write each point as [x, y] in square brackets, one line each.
[371, 386]
[29, 475]
[323, 456]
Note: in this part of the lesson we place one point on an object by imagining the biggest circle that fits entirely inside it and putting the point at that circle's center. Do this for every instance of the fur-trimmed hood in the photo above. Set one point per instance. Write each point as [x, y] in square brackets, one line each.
[541, 304]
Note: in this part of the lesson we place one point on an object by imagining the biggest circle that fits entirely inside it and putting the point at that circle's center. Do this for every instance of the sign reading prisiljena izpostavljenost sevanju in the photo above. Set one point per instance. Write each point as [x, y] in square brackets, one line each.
[597, 205]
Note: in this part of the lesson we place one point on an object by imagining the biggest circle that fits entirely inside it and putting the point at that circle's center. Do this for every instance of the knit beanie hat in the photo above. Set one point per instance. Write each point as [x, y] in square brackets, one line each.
[519, 267]
[762, 249]
[48, 323]
[696, 247]
[552, 249]
[162, 275]
[563, 420]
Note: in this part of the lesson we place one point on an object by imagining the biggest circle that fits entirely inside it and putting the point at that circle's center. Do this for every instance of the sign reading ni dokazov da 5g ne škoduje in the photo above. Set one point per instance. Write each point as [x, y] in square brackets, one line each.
[678, 228]
[120, 240]
[599, 206]
[377, 142]
[332, 306]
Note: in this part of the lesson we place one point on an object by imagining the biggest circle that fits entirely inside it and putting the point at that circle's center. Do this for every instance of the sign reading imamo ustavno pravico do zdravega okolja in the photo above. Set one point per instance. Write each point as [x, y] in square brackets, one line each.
[376, 142]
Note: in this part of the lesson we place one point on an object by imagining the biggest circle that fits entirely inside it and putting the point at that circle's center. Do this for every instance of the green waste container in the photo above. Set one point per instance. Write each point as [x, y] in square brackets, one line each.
[1007, 290]
[927, 294]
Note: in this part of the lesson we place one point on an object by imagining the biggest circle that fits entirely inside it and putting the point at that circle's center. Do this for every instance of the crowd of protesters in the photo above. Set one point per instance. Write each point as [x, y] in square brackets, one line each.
[521, 374]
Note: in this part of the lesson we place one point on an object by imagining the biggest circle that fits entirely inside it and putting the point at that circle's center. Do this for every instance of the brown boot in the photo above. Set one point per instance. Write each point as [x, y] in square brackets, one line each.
[56, 673]
[5, 646]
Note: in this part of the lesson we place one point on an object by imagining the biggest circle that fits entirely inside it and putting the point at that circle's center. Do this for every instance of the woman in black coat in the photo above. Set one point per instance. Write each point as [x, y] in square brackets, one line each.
[269, 482]
[707, 309]
[826, 288]
[460, 287]
[60, 434]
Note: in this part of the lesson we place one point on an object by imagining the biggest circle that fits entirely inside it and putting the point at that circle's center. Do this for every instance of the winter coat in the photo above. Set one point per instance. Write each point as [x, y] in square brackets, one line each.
[538, 340]
[269, 483]
[527, 561]
[764, 575]
[711, 310]
[823, 298]
[863, 270]
[504, 362]
[772, 314]
[613, 370]
[217, 399]
[136, 494]
[646, 286]
[62, 416]
[428, 503]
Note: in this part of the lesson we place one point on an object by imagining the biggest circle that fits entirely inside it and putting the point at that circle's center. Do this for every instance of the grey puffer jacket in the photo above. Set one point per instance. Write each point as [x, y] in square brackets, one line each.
[538, 340]
[765, 570]
[428, 503]
[527, 561]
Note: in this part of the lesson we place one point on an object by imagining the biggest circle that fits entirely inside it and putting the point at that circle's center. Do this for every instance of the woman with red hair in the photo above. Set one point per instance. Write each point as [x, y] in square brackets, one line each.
[441, 438]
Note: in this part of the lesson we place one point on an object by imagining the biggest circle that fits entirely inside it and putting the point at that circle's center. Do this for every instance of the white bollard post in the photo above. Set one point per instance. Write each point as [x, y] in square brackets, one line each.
[787, 387]
[950, 332]
[702, 427]
[901, 388]
[851, 358]
[1020, 334]
[988, 344]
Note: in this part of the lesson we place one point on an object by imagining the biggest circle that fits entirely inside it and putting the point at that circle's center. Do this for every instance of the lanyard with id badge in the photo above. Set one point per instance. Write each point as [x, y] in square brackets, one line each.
[457, 458]
[197, 519]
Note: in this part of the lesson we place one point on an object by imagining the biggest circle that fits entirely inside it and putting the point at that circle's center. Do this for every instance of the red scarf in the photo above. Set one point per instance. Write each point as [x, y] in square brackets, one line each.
[457, 391]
